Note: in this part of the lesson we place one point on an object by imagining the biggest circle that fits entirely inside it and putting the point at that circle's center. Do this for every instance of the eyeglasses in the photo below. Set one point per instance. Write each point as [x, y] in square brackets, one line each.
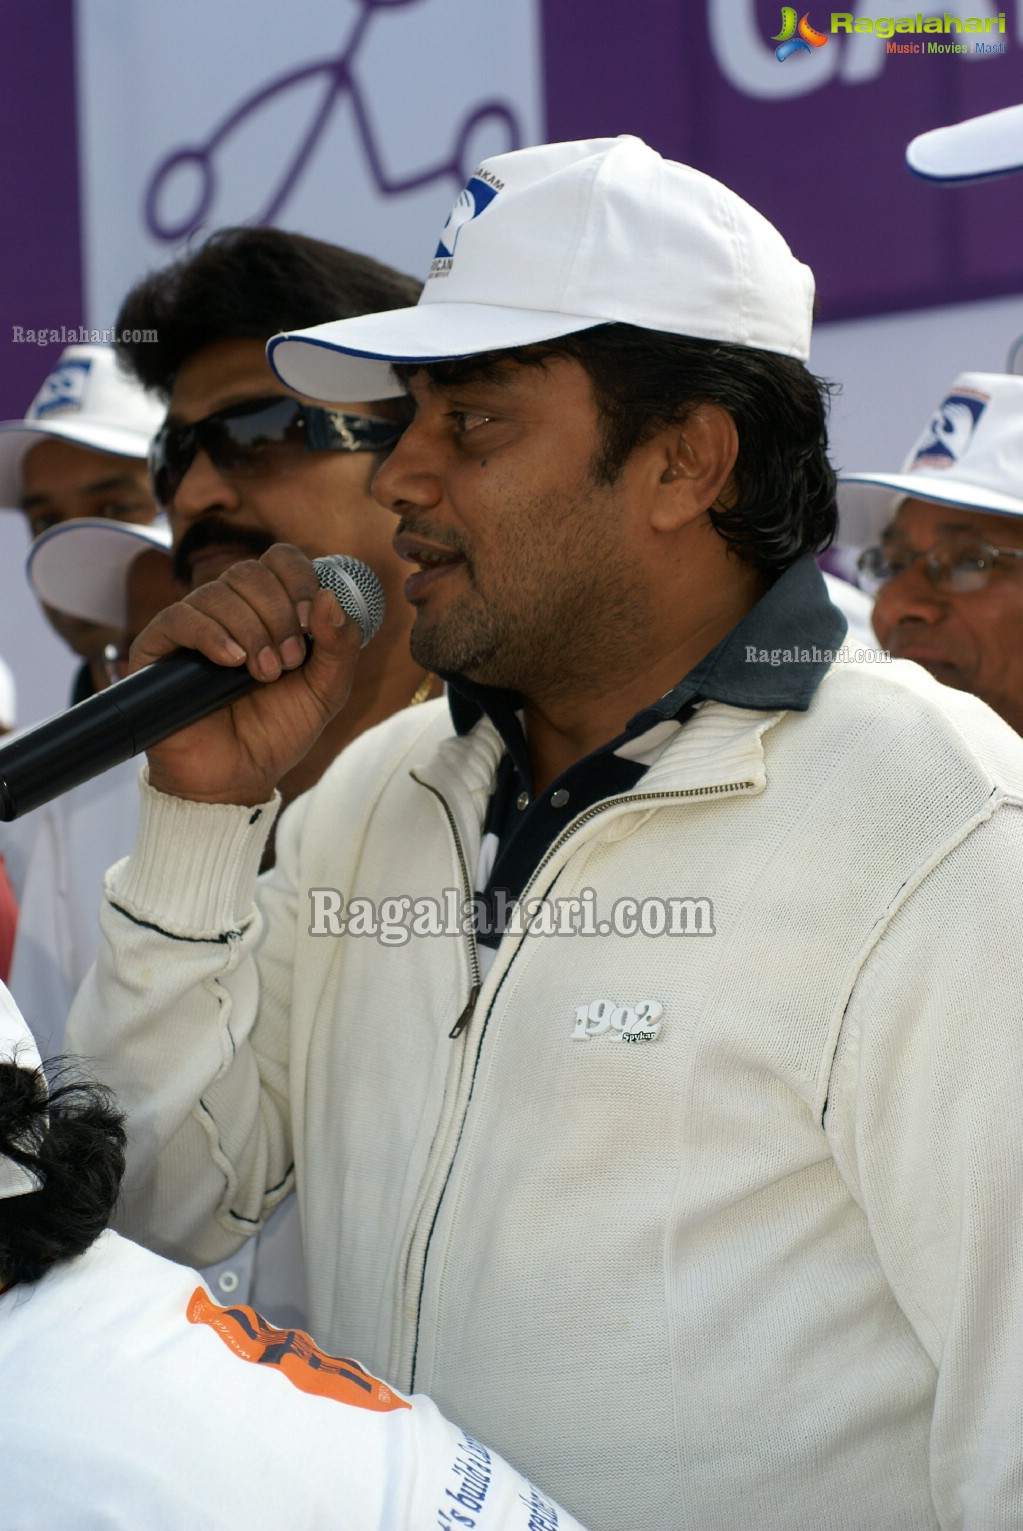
[955, 567]
[259, 438]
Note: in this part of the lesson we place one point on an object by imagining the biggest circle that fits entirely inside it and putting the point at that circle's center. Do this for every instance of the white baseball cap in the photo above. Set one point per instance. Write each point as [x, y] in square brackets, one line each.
[547, 241]
[973, 150]
[970, 454]
[81, 566]
[17, 1045]
[86, 399]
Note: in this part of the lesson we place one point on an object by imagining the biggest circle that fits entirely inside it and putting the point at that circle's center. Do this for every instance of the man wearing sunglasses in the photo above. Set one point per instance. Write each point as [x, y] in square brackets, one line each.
[943, 543]
[240, 463]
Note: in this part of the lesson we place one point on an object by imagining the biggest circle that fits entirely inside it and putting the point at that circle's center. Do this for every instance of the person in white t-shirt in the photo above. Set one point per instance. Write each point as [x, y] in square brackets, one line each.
[170, 1411]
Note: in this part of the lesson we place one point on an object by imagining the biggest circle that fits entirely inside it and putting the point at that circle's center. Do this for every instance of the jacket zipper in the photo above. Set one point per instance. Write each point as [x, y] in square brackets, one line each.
[413, 1279]
[612, 802]
[476, 979]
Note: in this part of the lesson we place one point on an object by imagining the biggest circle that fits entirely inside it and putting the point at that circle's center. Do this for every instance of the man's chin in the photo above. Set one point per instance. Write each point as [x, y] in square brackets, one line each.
[949, 675]
[445, 651]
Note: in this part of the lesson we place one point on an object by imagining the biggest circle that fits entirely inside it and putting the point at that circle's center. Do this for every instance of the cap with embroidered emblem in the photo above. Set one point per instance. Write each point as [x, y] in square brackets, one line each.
[547, 241]
[87, 400]
[969, 454]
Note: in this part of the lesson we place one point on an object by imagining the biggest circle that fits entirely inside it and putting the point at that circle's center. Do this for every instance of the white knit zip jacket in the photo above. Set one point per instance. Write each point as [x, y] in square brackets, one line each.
[762, 1269]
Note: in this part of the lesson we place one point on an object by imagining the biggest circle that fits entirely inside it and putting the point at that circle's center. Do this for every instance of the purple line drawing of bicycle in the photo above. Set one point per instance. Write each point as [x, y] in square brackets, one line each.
[338, 79]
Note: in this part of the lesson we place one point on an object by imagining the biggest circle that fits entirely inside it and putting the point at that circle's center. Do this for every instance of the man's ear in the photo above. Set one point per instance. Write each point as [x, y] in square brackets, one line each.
[696, 462]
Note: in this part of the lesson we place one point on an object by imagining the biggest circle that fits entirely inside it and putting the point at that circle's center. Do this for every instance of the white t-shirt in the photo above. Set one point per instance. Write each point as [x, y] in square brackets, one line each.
[129, 1401]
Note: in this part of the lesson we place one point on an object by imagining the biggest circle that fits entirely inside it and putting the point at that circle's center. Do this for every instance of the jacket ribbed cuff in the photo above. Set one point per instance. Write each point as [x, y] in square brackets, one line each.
[194, 866]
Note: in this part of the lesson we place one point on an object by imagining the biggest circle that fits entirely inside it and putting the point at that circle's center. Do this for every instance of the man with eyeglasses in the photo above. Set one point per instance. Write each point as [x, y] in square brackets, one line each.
[946, 567]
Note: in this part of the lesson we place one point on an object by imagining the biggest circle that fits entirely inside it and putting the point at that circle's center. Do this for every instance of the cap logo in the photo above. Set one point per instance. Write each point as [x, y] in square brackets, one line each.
[63, 389]
[950, 432]
[477, 196]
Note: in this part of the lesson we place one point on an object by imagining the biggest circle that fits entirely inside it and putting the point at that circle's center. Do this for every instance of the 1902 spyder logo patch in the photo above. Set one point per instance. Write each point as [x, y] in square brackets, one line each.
[629, 1023]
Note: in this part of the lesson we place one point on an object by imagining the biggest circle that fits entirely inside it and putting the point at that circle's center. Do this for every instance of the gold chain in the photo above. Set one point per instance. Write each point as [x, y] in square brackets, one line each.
[422, 691]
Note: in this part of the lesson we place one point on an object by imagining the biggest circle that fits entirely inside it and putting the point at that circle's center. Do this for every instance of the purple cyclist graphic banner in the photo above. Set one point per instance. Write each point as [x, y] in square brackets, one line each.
[132, 129]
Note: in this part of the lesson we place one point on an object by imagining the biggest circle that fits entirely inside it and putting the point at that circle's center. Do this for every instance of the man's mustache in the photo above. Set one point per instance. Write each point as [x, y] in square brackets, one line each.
[214, 531]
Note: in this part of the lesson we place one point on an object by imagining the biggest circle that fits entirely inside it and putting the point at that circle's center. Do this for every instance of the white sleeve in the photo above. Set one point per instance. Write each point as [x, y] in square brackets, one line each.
[213, 1418]
[394, 1462]
[457, 1483]
[924, 1120]
[166, 1019]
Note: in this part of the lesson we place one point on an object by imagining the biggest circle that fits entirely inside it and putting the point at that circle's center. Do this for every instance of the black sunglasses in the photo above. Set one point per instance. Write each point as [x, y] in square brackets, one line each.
[261, 437]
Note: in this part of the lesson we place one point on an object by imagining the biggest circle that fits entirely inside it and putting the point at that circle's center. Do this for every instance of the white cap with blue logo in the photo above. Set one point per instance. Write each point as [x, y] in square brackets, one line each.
[547, 241]
[88, 400]
[970, 454]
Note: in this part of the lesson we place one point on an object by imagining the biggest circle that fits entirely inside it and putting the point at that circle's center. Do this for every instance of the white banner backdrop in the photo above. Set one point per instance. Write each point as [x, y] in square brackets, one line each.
[357, 121]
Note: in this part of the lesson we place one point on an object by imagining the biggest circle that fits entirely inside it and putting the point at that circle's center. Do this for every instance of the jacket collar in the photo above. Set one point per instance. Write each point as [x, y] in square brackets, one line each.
[792, 633]
[720, 748]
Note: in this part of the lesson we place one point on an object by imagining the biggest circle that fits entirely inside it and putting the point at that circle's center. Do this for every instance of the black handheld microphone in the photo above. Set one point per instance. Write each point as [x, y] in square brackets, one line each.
[152, 704]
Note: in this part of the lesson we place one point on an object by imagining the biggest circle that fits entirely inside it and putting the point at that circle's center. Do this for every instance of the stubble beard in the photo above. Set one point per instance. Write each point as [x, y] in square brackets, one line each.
[465, 643]
[550, 636]
[553, 642]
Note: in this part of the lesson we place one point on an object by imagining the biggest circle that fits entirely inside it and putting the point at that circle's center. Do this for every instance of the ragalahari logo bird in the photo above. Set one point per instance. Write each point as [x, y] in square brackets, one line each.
[796, 37]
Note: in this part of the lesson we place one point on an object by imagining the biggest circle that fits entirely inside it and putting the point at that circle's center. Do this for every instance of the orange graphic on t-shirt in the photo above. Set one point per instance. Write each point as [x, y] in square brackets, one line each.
[292, 1352]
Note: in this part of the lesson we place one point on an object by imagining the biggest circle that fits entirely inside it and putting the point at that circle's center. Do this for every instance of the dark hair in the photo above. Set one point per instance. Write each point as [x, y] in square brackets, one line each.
[247, 284]
[72, 1139]
[644, 380]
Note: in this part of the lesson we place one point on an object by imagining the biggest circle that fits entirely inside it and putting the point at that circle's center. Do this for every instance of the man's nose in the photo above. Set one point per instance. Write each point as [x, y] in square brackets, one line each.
[411, 474]
[202, 489]
[908, 596]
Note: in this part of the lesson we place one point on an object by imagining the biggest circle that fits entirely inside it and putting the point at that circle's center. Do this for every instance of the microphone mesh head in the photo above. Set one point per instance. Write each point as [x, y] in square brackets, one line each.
[357, 588]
